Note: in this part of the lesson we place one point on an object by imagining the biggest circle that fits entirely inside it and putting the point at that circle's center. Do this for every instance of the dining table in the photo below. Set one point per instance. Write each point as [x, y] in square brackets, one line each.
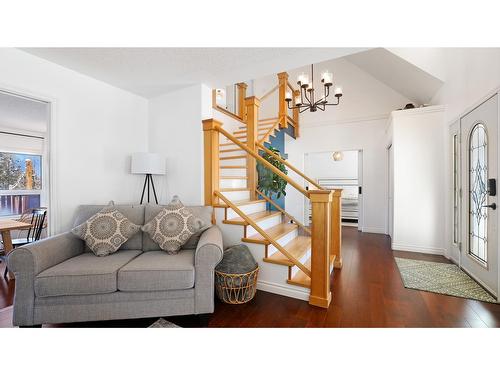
[6, 226]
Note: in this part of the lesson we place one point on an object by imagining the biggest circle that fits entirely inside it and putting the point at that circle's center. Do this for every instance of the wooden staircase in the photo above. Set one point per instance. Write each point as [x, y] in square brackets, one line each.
[296, 260]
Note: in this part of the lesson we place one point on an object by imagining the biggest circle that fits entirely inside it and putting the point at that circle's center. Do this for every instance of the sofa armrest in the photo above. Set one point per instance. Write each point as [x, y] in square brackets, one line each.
[28, 261]
[208, 254]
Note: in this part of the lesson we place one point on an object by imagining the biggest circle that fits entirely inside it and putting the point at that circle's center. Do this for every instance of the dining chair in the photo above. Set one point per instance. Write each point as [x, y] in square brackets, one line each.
[37, 222]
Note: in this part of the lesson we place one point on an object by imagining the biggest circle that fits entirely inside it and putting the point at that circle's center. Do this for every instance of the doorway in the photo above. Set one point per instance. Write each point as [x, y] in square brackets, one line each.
[339, 169]
[24, 156]
[478, 177]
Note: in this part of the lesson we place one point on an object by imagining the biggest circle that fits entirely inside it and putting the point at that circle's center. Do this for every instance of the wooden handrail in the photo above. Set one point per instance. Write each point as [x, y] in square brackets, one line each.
[266, 95]
[262, 160]
[289, 85]
[254, 225]
[283, 211]
[310, 180]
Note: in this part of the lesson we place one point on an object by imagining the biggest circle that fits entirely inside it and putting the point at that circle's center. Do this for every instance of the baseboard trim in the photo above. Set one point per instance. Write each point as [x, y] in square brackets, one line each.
[418, 249]
[284, 290]
[373, 230]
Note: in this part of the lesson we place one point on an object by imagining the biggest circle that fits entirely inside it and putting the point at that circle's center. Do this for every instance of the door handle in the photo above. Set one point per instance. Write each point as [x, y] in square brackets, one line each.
[493, 206]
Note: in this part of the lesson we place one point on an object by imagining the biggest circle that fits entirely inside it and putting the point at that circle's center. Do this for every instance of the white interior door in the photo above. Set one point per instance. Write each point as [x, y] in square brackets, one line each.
[360, 191]
[390, 191]
[479, 160]
[455, 187]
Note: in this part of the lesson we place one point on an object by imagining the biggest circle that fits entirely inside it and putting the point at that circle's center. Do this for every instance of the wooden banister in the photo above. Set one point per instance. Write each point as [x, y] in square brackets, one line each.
[242, 94]
[284, 161]
[271, 130]
[263, 161]
[282, 106]
[262, 232]
[252, 105]
[336, 230]
[211, 160]
[321, 201]
[283, 211]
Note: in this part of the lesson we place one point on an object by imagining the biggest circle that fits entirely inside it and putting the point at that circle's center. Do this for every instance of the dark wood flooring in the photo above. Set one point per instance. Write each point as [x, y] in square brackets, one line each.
[367, 292]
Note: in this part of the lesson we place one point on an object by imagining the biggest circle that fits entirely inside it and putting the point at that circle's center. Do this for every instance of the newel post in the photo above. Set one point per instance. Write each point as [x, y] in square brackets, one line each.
[211, 160]
[321, 201]
[252, 105]
[282, 108]
[242, 94]
[336, 232]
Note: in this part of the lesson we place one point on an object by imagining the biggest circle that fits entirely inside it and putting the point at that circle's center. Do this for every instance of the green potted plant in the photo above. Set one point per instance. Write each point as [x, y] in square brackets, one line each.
[269, 182]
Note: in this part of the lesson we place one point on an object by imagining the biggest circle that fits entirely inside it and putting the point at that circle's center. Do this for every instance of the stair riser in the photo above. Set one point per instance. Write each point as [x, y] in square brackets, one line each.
[264, 224]
[233, 183]
[274, 273]
[233, 172]
[302, 260]
[247, 209]
[232, 153]
[282, 241]
[241, 162]
[236, 195]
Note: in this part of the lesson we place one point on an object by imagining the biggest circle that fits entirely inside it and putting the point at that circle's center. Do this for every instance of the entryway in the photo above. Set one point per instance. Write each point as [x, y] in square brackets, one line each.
[339, 169]
[474, 172]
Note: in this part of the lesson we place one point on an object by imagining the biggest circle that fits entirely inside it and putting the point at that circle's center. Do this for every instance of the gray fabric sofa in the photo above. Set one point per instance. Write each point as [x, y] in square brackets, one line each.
[59, 280]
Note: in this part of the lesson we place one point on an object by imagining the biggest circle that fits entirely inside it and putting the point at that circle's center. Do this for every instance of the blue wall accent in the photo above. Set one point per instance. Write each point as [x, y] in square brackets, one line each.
[278, 142]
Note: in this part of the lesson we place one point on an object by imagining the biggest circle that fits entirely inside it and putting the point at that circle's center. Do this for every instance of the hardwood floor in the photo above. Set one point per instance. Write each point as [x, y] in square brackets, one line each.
[367, 292]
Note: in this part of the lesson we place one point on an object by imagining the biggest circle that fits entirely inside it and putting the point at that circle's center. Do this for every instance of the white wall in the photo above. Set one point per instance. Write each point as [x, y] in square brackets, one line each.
[364, 96]
[419, 180]
[368, 136]
[94, 129]
[471, 75]
[175, 131]
[321, 164]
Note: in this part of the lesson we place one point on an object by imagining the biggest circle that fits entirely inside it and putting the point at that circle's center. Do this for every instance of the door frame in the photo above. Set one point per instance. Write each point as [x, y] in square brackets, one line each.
[52, 202]
[461, 114]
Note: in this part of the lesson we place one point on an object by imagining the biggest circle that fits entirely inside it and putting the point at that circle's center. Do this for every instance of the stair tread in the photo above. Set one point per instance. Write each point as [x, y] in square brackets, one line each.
[231, 150]
[233, 167]
[233, 157]
[257, 216]
[243, 202]
[296, 247]
[233, 177]
[234, 189]
[275, 233]
[301, 279]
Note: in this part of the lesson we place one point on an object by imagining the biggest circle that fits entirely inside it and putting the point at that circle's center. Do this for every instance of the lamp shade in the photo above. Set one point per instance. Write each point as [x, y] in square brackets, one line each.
[147, 163]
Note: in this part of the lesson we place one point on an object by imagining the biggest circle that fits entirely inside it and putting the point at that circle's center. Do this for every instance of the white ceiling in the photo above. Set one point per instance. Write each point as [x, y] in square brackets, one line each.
[19, 113]
[151, 72]
[398, 73]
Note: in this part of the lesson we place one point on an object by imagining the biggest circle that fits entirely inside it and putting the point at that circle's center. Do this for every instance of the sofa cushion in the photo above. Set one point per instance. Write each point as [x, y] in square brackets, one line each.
[83, 274]
[202, 212]
[135, 213]
[156, 271]
[173, 226]
[106, 231]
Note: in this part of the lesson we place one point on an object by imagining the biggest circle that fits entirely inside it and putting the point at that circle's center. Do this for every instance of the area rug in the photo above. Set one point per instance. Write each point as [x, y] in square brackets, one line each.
[163, 323]
[442, 278]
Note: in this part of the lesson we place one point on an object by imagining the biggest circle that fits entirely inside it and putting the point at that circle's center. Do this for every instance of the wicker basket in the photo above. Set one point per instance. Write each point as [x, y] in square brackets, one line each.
[236, 289]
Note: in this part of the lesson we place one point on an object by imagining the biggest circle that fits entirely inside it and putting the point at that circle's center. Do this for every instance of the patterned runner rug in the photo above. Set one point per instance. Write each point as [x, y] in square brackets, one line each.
[442, 278]
[163, 323]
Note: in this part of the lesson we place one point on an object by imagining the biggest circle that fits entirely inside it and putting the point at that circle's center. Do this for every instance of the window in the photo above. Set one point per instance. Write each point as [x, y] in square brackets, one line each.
[20, 182]
[456, 191]
[478, 176]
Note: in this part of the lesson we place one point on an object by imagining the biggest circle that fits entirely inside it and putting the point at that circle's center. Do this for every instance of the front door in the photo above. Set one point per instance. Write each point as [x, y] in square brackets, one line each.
[479, 158]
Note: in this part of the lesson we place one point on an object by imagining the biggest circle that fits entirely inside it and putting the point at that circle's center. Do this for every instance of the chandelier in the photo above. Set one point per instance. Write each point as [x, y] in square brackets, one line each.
[307, 97]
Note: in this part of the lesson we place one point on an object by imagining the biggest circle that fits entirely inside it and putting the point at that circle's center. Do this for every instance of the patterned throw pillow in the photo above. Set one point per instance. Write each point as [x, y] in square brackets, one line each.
[173, 226]
[106, 231]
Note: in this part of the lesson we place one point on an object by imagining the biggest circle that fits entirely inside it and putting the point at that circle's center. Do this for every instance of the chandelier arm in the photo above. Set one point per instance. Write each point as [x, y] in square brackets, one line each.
[309, 101]
[304, 109]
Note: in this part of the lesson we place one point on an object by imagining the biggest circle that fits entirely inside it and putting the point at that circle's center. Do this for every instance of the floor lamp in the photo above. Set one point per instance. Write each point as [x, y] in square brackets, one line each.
[149, 164]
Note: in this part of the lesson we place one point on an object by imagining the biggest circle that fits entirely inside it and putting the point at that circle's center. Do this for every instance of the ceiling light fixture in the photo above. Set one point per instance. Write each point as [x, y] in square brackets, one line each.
[338, 155]
[306, 99]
